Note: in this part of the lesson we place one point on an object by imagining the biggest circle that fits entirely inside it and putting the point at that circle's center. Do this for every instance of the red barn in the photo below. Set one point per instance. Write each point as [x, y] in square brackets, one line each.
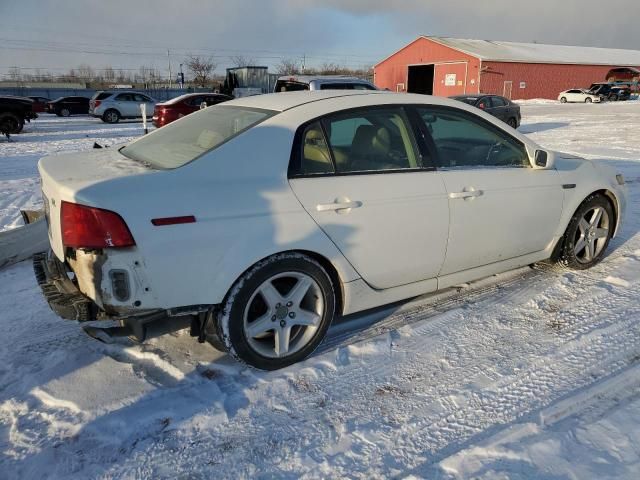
[453, 66]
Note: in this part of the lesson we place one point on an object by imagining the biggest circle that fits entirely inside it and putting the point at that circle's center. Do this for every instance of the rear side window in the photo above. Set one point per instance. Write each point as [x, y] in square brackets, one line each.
[316, 158]
[371, 140]
[287, 86]
[125, 97]
[181, 142]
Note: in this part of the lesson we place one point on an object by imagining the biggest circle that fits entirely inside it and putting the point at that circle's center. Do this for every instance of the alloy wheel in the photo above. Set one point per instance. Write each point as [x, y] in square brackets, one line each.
[283, 314]
[592, 234]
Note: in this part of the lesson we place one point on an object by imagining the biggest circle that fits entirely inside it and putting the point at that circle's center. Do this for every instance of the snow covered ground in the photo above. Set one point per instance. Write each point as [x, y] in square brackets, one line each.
[531, 374]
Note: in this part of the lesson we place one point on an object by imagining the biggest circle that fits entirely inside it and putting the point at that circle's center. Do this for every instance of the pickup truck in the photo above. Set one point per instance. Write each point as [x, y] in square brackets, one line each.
[14, 111]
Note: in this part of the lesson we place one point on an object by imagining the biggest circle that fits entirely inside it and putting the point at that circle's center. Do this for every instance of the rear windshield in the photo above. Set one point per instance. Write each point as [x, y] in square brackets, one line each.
[469, 100]
[101, 95]
[183, 141]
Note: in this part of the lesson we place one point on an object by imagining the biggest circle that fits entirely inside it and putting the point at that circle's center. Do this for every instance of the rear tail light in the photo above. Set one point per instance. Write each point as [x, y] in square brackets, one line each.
[96, 103]
[89, 227]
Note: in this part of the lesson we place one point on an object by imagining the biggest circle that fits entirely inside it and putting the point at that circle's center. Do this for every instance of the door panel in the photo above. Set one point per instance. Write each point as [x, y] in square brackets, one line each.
[517, 212]
[398, 232]
[499, 206]
[374, 199]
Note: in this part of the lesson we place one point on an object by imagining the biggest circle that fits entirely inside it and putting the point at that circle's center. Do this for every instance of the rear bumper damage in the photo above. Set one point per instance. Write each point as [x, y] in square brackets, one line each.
[62, 285]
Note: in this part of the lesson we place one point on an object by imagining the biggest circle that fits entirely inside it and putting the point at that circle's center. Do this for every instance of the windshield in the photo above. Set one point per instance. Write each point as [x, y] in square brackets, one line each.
[181, 142]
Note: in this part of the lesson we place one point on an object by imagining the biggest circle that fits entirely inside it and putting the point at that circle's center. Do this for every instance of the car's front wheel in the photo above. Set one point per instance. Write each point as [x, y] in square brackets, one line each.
[588, 233]
[278, 312]
[512, 122]
[111, 116]
[65, 112]
[587, 100]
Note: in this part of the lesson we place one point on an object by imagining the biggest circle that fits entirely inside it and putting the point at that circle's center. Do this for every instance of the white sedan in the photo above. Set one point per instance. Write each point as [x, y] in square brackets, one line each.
[580, 96]
[264, 218]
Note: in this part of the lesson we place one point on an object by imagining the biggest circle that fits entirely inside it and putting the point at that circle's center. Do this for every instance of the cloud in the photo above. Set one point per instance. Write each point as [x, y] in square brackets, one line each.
[350, 32]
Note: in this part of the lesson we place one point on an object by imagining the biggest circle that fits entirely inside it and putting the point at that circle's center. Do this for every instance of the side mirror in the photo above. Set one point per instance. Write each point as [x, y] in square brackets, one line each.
[542, 160]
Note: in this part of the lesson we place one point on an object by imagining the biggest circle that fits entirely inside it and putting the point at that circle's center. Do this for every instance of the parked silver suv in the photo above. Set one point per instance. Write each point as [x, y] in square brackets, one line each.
[292, 83]
[111, 106]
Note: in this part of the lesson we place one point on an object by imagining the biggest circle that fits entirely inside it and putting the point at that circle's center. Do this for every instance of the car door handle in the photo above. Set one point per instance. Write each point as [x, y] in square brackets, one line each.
[466, 194]
[337, 206]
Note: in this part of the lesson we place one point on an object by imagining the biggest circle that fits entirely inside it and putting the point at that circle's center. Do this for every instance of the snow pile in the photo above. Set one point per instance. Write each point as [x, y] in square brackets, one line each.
[534, 373]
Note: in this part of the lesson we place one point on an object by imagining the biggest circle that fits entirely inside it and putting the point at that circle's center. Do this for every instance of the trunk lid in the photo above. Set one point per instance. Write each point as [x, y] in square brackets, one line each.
[64, 177]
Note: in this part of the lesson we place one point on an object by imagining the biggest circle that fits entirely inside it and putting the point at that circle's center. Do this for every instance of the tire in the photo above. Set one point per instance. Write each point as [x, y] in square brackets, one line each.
[587, 100]
[613, 98]
[563, 100]
[10, 123]
[588, 234]
[65, 112]
[111, 116]
[296, 289]
[512, 122]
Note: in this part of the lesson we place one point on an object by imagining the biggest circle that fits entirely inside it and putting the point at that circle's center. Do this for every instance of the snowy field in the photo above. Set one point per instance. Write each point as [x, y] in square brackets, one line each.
[532, 374]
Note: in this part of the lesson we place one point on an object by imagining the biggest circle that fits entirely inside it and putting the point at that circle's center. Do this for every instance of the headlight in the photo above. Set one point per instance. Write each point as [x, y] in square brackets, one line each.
[620, 179]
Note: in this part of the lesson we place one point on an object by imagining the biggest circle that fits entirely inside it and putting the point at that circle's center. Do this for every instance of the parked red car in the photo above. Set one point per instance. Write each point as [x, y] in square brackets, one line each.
[624, 74]
[40, 104]
[167, 112]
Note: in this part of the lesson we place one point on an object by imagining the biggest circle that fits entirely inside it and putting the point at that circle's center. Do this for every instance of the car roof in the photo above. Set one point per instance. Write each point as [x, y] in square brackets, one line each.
[310, 78]
[280, 102]
[184, 96]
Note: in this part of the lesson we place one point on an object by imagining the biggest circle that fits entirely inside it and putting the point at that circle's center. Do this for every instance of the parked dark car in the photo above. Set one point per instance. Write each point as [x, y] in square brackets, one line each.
[40, 104]
[167, 112]
[65, 106]
[498, 106]
[623, 74]
[14, 111]
[611, 92]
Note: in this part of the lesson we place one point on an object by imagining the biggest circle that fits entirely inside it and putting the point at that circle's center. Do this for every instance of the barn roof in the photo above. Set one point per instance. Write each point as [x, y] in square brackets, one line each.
[490, 50]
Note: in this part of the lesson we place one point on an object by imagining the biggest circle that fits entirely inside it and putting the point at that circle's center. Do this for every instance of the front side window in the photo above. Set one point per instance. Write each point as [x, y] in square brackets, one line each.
[463, 141]
[181, 142]
[371, 140]
[499, 102]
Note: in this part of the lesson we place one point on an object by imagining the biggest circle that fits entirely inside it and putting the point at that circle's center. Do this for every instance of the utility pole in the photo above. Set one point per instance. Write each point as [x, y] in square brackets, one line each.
[169, 60]
[304, 61]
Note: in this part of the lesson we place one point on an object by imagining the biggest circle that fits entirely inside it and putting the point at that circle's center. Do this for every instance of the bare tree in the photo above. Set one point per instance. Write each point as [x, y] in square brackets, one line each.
[14, 74]
[201, 68]
[242, 61]
[287, 66]
[85, 72]
[108, 74]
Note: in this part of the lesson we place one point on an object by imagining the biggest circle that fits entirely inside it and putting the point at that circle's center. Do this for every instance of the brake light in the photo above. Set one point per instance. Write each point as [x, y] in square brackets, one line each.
[89, 227]
[96, 103]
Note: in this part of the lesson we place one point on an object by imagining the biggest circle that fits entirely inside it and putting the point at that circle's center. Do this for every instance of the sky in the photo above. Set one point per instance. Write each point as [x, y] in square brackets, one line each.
[56, 35]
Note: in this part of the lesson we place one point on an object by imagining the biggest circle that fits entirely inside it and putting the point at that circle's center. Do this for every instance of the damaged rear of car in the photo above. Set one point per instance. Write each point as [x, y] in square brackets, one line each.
[114, 217]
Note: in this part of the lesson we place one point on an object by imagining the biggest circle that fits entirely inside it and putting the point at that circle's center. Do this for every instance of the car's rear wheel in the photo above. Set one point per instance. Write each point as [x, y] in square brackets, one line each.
[588, 233]
[65, 112]
[512, 122]
[111, 116]
[278, 312]
[563, 100]
[587, 100]
[10, 123]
